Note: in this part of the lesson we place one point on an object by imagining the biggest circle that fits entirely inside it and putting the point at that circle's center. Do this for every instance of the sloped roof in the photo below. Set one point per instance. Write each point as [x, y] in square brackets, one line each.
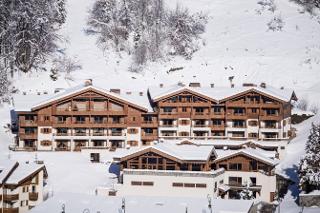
[33, 101]
[220, 93]
[15, 172]
[256, 154]
[180, 152]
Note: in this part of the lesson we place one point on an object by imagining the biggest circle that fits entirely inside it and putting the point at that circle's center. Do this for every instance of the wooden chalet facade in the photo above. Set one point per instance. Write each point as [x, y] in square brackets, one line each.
[90, 117]
[154, 159]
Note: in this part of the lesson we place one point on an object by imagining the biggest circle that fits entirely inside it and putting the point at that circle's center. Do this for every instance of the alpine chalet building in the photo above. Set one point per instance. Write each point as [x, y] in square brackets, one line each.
[87, 116]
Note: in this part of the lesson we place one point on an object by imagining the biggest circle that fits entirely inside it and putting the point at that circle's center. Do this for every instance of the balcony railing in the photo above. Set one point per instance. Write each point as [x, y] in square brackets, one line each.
[11, 210]
[10, 197]
[33, 196]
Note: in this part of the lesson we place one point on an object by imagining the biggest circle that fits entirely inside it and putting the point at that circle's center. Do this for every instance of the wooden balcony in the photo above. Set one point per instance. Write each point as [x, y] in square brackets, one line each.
[200, 115]
[28, 123]
[217, 115]
[253, 115]
[145, 136]
[151, 124]
[168, 115]
[236, 116]
[11, 210]
[116, 134]
[33, 196]
[274, 117]
[117, 124]
[62, 149]
[30, 136]
[10, 197]
[217, 127]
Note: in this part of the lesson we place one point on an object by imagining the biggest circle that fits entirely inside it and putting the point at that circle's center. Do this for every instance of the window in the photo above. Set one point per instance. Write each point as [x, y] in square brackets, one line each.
[235, 166]
[46, 118]
[61, 119]
[133, 119]
[136, 183]
[177, 184]
[132, 131]
[184, 134]
[167, 109]
[253, 123]
[189, 185]
[167, 122]
[271, 111]
[148, 131]
[254, 110]
[98, 119]
[235, 181]
[184, 122]
[147, 183]
[184, 109]
[46, 130]
[45, 143]
[217, 122]
[116, 119]
[253, 181]
[217, 110]
[199, 110]
[147, 119]
[238, 123]
[238, 111]
[202, 185]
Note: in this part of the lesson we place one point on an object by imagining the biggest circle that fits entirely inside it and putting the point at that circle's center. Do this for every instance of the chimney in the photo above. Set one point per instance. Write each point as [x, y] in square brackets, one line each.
[129, 93]
[249, 85]
[212, 85]
[161, 85]
[232, 85]
[117, 91]
[282, 88]
[141, 93]
[263, 85]
[194, 84]
[88, 82]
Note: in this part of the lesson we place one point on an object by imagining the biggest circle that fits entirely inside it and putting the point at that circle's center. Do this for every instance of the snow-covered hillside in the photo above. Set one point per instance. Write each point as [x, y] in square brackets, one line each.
[237, 43]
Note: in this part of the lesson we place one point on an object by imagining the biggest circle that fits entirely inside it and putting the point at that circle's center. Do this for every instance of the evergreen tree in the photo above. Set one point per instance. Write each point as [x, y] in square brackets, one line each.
[309, 169]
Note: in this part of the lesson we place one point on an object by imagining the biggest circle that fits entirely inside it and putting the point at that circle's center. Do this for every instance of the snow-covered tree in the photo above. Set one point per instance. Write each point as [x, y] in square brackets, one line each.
[29, 32]
[309, 169]
[184, 29]
[246, 193]
[145, 29]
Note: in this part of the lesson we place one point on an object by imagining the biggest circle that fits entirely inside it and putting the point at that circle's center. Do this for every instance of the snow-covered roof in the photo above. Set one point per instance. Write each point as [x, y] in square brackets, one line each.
[182, 152]
[220, 93]
[20, 170]
[139, 204]
[30, 101]
[259, 154]
[5, 167]
[23, 171]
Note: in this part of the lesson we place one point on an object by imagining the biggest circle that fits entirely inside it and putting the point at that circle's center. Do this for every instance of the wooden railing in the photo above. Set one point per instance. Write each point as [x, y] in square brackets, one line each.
[33, 196]
[10, 197]
[11, 210]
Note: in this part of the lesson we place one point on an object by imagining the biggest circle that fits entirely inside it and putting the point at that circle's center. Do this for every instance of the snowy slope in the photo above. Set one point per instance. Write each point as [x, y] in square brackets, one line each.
[237, 43]
[289, 166]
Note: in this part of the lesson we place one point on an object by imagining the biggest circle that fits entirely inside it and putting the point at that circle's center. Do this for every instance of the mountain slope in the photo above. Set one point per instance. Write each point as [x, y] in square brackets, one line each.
[237, 43]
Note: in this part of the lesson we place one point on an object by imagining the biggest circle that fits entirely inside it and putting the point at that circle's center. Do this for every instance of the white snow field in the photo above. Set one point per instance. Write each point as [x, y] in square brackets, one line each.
[237, 43]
